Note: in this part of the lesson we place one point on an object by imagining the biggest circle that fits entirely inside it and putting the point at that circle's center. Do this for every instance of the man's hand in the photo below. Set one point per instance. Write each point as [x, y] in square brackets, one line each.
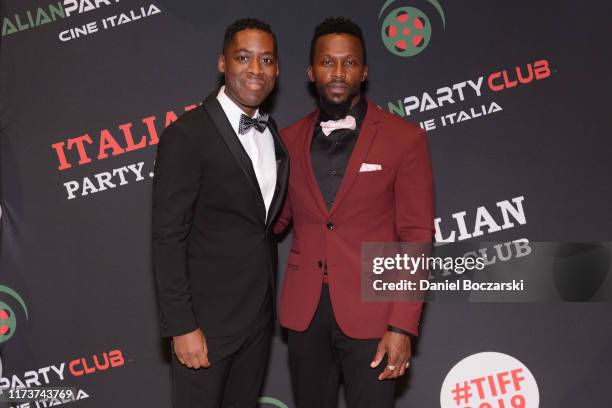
[397, 348]
[191, 349]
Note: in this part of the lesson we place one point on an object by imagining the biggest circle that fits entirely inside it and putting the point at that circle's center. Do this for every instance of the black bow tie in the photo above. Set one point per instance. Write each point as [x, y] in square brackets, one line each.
[246, 123]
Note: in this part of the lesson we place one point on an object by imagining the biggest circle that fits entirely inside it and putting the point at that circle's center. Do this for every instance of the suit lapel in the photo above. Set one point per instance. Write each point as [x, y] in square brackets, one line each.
[282, 172]
[307, 164]
[364, 141]
[225, 130]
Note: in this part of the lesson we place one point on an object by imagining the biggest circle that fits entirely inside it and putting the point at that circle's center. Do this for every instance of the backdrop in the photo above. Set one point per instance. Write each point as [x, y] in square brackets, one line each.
[514, 96]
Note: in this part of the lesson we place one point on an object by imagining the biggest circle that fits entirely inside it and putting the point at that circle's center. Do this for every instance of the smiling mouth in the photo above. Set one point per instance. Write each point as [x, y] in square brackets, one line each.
[255, 83]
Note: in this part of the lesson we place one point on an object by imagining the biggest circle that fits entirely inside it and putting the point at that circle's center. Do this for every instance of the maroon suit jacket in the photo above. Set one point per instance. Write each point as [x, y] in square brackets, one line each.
[390, 205]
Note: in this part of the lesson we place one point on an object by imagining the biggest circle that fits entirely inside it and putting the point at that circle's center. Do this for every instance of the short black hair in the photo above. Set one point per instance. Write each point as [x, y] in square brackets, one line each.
[244, 24]
[337, 25]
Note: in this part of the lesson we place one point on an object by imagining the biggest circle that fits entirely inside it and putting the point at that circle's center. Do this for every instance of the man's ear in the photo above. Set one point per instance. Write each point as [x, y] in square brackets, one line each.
[309, 73]
[365, 74]
[221, 64]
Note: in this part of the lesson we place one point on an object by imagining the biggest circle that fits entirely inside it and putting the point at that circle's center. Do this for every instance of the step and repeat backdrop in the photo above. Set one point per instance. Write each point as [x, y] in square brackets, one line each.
[515, 99]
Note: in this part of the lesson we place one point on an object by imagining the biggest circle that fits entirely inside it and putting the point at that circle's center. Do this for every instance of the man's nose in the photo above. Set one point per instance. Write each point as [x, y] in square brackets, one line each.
[339, 71]
[255, 66]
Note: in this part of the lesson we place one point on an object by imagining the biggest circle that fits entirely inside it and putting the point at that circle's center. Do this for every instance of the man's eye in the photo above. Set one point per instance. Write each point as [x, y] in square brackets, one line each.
[243, 58]
[350, 63]
[326, 62]
[267, 60]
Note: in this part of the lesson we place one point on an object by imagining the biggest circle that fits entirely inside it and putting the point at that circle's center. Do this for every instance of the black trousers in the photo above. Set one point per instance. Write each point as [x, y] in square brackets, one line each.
[235, 377]
[322, 356]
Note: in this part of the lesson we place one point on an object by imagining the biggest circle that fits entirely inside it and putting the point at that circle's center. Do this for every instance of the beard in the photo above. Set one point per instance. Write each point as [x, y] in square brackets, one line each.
[335, 110]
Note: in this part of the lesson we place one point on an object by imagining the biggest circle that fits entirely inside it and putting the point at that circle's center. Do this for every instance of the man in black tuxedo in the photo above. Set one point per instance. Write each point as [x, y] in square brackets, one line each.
[220, 179]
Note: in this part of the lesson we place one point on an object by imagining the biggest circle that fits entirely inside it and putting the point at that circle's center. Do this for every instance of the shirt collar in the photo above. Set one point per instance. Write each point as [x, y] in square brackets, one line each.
[232, 111]
[358, 112]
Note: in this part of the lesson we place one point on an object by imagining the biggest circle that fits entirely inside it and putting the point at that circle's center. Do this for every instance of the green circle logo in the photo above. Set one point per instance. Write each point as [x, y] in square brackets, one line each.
[406, 31]
[271, 401]
[8, 321]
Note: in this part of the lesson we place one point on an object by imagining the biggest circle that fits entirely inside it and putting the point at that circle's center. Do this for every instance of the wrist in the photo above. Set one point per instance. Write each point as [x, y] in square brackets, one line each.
[394, 329]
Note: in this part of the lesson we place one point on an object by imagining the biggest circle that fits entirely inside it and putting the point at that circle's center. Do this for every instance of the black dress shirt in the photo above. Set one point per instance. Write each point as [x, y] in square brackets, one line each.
[330, 154]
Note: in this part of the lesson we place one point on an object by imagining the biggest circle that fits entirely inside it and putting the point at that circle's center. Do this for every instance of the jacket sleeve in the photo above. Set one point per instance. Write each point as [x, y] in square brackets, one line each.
[286, 215]
[176, 185]
[414, 219]
[284, 219]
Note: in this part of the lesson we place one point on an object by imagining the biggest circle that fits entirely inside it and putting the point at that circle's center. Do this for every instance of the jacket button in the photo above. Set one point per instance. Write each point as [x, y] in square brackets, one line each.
[320, 264]
[330, 226]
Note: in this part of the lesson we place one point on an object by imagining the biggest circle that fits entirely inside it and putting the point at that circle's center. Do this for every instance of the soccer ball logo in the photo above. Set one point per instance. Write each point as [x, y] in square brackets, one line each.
[406, 31]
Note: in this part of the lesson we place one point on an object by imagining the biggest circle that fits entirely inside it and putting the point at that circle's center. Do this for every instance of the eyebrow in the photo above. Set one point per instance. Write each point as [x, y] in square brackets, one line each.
[244, 50]
[342, 56]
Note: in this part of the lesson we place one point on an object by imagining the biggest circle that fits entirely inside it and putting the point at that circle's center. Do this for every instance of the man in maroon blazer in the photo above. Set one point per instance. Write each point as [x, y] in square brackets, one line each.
[358, 174]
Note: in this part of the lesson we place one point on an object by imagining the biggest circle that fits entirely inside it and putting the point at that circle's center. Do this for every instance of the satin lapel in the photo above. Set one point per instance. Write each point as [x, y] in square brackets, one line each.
[364, 141]
[282, 172]
[217, 115]
[307, 164]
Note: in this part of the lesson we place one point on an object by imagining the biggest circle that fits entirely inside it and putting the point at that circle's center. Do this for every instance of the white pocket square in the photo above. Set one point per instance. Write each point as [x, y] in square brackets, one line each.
[369, 167]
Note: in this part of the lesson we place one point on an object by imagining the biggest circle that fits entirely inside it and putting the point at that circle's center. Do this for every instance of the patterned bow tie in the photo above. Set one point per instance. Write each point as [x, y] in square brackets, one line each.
[347, 122]
[246, 123]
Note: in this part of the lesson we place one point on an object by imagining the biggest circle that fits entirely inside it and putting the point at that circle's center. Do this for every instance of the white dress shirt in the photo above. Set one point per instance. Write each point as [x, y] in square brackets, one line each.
[259, 147]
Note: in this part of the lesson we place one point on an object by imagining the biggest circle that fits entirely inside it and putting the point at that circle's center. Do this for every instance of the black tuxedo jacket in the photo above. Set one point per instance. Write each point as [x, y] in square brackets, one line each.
[214, 252]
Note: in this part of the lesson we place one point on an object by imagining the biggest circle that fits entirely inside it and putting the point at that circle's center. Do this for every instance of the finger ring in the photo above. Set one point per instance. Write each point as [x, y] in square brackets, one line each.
[391, 367]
